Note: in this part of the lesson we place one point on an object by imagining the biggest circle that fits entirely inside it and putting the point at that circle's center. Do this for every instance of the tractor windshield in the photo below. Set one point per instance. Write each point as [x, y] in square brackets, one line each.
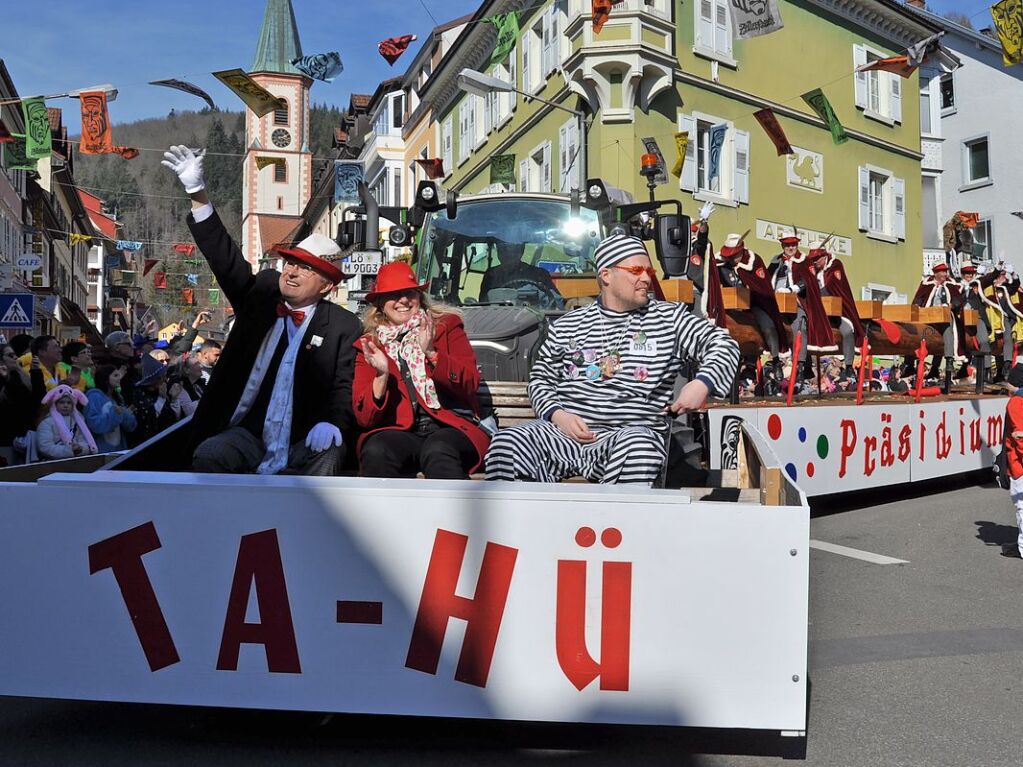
[507, 250]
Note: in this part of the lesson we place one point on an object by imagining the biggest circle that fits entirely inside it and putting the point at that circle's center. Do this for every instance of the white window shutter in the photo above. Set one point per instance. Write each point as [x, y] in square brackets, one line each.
[863, 196]
[895, 95]
[446, 144]
[705, 23]
[688, 180]
[741, 166]
[563, 157]
[722, 33]
[524, 176]
[512, 71]
[471, 128]
[859, 59]
[555, 37]
[899, 193]
[526, 39]
[546, 170]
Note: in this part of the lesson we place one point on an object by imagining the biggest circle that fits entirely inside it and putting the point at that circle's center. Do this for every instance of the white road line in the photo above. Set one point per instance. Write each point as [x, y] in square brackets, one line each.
[866, 556]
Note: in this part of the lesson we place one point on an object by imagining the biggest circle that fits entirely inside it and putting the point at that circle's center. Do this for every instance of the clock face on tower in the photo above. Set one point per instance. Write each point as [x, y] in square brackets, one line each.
[281, 138]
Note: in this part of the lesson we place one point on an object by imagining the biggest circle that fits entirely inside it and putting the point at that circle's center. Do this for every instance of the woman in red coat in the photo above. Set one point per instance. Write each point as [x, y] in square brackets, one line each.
[415, 385]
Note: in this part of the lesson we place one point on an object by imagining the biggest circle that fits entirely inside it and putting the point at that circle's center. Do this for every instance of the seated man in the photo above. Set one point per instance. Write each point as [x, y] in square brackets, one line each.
[938, 290]
[603, 380]
[281, 395]
[513, 272]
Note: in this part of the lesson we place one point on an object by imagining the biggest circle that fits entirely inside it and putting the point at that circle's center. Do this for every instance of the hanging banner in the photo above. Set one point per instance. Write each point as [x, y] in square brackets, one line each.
[347, 176]
[15, 158]
[256, 97]
[502, 169]
[650, 144]
[716, 140]
[181, 85]
[129, 245]
[214, 296]
[681, 145]
[897, 65]
[38, 140]
[77, 238]
[160, 280]
[266, 162]
[507, 25]
[148, 266]
[392, 48]
[600, 12]
[186, 296]
[1008, 18]
[819, 103]
[434, 167]
[321, 66]
[918, 53]
[96, 138]
[184, 247]
[752, 18]
[769, 122]
[193, 279]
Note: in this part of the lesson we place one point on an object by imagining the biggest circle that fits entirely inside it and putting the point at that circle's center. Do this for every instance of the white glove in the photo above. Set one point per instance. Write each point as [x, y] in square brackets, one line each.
[188, 165]
[706, 211]
[322, 436]
[783, 289]
[1009, 269]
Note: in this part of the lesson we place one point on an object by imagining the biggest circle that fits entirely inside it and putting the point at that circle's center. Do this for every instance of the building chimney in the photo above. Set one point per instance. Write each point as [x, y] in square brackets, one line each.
[921, 4]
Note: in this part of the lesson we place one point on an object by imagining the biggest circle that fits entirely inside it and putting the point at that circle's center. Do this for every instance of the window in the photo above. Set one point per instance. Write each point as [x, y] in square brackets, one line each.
[926, 127]
[882, 203]
[445, 142]
[396, 187]
[878, 94]
[535, 170]
[398, 111]
[463, 129]
[975, 161]
[569, 166]
[714, 30]
[983, 243]
[500, 104]
[948, 93]
[281, 115]
[281, 172]
[731, 183]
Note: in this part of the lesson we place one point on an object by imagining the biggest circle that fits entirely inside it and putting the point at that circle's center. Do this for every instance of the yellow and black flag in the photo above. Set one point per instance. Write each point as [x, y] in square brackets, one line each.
[1008, 18]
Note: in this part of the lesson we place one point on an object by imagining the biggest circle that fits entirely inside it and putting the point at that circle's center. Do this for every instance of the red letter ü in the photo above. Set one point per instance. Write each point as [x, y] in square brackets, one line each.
[482, 613]
[616, 607]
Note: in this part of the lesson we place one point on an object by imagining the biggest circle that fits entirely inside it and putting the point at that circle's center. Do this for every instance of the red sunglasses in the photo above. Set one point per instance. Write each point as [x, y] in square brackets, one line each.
[635, 271]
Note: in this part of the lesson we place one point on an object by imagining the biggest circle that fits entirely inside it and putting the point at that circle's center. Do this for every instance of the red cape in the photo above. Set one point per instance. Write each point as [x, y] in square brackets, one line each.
[837, 284]
[753, 274]
[923, 297]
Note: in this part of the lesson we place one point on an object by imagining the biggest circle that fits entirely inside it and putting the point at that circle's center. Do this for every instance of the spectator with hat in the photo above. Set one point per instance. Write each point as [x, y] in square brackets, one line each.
[281, 399]
[63, 432]
[415, 385]
[938, 290]
[121, 351]
[156, 401]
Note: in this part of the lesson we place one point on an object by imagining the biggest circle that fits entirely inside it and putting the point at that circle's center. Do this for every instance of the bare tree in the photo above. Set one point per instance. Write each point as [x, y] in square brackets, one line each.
[959, 18]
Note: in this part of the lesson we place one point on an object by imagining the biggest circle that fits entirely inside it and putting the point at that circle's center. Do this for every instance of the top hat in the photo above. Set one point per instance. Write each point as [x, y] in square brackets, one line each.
[317, 251]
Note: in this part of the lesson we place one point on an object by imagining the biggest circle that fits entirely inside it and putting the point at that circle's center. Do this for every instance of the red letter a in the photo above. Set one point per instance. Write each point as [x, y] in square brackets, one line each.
[482, 613]
[259, 562]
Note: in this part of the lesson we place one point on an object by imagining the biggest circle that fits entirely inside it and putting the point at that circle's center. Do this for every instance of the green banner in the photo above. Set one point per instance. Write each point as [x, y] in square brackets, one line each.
[502, 169]
[14, 156]
[819, 103]
[38, 141]
[507, 25]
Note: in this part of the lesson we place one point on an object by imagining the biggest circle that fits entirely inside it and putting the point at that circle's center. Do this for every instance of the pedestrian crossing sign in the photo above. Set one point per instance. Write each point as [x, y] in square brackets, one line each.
[16, 310]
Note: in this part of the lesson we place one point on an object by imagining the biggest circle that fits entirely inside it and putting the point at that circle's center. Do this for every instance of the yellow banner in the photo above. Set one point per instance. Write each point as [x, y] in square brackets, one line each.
[256, 97]
[1008, 18]
[681, 144]
[265, 162]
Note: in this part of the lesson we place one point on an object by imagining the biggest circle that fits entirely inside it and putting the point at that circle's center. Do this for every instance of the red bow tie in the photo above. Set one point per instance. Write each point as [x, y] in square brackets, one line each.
[298, 317]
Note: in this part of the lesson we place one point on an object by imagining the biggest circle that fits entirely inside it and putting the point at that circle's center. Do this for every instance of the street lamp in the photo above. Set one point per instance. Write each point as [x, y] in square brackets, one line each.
[107, 88]
[479, 84]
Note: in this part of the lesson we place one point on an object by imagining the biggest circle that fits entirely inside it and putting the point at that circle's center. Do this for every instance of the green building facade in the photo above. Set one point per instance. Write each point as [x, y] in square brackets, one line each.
[659, 67]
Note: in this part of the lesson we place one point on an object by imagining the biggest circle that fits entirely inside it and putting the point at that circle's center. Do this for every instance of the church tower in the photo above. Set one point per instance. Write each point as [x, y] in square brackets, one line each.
[274, 197]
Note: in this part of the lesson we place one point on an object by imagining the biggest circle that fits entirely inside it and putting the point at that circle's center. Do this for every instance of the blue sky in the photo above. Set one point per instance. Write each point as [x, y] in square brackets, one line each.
[51, 46]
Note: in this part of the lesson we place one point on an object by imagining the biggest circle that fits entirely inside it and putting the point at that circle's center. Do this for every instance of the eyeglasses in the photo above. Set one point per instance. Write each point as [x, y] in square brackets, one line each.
[298, 265]
[635, 271]
[397, 295]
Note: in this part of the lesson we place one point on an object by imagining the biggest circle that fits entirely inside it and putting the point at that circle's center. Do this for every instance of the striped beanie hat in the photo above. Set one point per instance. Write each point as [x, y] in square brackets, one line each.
[616, 249]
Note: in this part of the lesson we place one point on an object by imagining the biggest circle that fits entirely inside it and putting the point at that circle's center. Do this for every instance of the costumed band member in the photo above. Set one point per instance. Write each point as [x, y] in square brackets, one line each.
[938, 290]
[280, 397]
[1004, 287]
[833, 281]
[603, 380]
[415, 385]
[736, 267]
[701, 256]
[974, 286]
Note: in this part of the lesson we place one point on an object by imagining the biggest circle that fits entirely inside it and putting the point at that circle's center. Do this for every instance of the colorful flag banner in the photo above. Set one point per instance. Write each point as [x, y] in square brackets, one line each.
[392, 48]
[181, 85]
[160, 280]
[650, 144]
[716, 141]
[127, 152]
[1008, 18]
[434, 167]
[38, 141]
[969, 220]
[214, 296]
[819, 103]
[14, 156]
[77, 238]
[113, 262]
[918, 53]
[321, 66]
[347, 176]
[600, 11]
[502, 169]
[769, 122]
[148, 266]
[186, 248]
[186, 296]
[193, 279]
[129, 245]
[5, 135]
[256, 97]
[681, 145]
[507, 25]
[752, 19]
[266, 162]
[96, 138]
[897, 65]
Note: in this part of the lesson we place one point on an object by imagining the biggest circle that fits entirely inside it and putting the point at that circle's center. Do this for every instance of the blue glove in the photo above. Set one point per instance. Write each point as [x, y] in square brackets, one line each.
[322, 436]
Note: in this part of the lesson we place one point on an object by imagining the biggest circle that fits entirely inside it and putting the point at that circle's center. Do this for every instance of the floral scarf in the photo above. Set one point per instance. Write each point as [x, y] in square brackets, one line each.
[401, 342]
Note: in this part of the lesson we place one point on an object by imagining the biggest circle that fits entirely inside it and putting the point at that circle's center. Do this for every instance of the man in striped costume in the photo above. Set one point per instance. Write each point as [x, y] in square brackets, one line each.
[602, 383]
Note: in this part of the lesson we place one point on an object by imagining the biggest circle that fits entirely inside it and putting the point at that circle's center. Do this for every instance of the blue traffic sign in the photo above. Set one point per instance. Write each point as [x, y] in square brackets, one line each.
[16, 310]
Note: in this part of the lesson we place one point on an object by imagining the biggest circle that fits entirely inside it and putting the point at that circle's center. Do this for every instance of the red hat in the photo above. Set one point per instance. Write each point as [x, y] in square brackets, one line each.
[789, 239]
[733, 245]
[315, 250]
[942, 267]
[393, 278]
[968, 267]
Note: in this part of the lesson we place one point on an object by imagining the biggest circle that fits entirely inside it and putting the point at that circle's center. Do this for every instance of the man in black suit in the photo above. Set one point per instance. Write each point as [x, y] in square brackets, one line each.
[280, 399]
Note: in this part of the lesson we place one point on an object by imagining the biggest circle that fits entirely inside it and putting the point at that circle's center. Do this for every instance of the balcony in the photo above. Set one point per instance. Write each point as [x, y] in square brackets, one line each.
[931, 150]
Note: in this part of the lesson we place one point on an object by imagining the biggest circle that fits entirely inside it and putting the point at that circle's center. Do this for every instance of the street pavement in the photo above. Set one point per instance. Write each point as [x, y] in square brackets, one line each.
[917, 664]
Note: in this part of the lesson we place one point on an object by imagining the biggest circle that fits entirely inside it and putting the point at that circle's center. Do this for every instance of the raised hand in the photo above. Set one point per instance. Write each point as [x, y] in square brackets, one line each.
[376, 357]
[426, 332]
[187, 165]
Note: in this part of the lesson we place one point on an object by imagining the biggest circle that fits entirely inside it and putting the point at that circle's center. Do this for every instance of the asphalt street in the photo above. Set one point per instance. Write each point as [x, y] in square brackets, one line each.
[910, 664]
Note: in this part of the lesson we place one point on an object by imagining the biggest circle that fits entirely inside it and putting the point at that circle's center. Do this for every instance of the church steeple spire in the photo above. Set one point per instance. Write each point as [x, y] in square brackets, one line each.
[278, 39]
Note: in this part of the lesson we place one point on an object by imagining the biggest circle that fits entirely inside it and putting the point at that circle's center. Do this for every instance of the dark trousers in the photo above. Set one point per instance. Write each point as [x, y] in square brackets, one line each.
[238, 451]
[440, 453]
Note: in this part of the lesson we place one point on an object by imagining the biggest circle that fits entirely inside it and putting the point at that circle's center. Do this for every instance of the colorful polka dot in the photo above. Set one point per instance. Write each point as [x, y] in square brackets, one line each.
[774, 426]
[810, 469]
[790, 469]
[802, 434]
[585, 537]
[822, 446]
[612, 537]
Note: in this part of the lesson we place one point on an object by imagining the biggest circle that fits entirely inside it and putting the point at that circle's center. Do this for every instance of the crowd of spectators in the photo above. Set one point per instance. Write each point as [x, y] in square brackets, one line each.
[72, 400]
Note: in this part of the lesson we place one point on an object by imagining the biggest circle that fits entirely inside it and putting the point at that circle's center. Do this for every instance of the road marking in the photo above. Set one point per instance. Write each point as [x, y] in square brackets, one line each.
[866, 556]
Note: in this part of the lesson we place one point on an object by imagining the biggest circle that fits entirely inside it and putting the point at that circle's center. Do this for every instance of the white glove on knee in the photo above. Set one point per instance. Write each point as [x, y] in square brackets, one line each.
[322, 436]
[188, 165]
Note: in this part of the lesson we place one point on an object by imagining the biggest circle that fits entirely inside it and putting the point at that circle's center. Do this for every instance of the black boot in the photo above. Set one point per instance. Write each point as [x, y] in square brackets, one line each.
[1000, 370]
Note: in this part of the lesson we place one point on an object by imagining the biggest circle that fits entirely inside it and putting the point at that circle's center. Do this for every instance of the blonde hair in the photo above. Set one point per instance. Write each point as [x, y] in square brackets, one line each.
[374, 316]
